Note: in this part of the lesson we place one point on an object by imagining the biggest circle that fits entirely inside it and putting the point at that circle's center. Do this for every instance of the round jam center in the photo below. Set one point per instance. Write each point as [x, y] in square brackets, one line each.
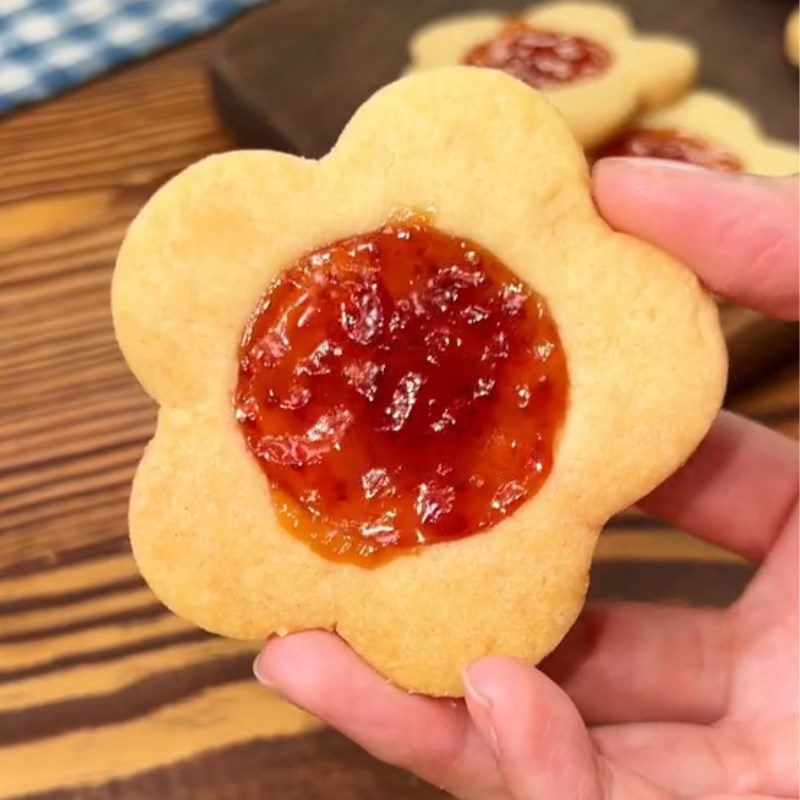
[399, 388]
[542, 59]
[673, 146]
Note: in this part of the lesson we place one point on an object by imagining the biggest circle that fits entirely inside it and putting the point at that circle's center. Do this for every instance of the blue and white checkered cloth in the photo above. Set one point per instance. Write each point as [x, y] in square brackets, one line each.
[48, 46]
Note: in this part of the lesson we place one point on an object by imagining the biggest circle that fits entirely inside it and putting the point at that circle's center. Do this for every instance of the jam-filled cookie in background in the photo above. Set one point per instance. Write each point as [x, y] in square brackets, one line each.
[791, 37]
[402, 388]
[584, 57]
[709, 130]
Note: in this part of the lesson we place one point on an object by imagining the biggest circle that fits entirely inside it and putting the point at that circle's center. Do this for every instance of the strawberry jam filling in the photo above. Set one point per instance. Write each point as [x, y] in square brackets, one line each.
[399, 388]
[542, 59]
[672, 145]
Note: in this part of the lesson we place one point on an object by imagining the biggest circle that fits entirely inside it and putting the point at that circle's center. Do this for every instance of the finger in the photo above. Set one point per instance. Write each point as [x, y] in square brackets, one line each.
[737, 490]
[539, 738]
[694, 760]
[634, 662]
[737, 796]
[775, 583]
[432, 738]
[738, 233]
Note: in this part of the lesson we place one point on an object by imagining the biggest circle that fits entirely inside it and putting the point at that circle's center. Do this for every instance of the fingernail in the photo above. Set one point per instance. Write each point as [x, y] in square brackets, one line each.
[651, 165]
[480, 709]
[262, 675]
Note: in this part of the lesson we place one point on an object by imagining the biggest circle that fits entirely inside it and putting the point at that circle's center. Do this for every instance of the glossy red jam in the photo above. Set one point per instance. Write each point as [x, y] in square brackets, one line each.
[542, 59]
[399, 388]
[673, 146]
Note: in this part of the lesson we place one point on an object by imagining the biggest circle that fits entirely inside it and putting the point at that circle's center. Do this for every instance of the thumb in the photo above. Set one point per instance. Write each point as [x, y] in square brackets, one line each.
[534, 730]
[739, 233]
[539, 739]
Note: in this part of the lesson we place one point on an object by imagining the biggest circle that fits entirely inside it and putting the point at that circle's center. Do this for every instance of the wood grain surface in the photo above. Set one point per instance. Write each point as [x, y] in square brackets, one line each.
[103, 693]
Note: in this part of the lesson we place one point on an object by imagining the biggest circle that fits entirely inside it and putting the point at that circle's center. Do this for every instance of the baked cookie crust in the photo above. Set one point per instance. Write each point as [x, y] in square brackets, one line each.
[490, 160]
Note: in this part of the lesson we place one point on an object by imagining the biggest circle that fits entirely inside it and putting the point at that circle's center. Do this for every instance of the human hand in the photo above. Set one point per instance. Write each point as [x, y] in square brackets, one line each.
[639, 702]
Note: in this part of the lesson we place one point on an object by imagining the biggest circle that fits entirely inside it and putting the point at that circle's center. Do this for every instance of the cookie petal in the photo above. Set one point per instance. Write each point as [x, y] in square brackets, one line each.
[667, 67]
[600, 21]
[177, 313]
[773, 159]
[205, 536]
[445, 41]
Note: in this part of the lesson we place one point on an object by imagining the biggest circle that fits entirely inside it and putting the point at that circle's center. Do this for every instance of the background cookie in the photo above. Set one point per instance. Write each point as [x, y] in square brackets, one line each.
[491, 161]
[596, 88]
[708, 129]
[791, 42]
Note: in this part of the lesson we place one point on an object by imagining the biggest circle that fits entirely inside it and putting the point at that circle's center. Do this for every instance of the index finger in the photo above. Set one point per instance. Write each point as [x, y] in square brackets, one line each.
[739, 233]
[737, 490]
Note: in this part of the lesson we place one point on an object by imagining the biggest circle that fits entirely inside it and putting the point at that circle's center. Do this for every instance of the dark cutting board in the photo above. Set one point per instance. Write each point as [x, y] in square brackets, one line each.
[290, 75]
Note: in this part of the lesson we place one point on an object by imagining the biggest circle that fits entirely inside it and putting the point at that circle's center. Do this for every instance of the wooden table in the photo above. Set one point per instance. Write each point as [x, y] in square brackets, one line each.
[103, 693]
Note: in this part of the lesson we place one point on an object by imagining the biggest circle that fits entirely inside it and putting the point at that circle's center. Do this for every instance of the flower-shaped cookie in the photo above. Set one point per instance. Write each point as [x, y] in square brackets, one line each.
[584, 57]
[707, 129]
[502, 184]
